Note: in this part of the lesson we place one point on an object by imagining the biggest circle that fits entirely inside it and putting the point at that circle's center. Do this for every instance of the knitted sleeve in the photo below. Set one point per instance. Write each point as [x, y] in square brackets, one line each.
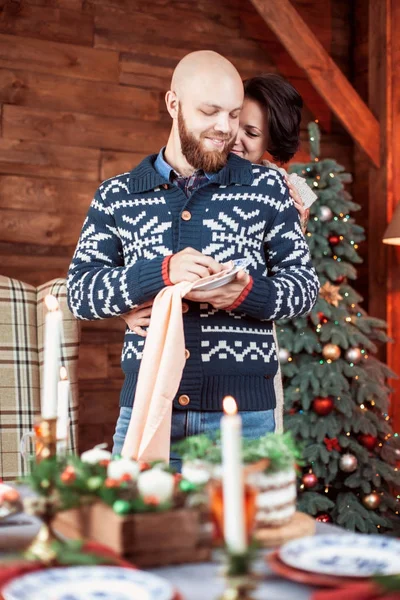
[292, 287]
[99, 284]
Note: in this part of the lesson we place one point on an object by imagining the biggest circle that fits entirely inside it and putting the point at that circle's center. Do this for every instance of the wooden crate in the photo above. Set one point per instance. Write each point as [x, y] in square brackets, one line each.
[148, 539]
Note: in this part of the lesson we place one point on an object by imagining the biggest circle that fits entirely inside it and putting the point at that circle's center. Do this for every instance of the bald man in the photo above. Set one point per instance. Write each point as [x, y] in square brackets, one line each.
[179, 216]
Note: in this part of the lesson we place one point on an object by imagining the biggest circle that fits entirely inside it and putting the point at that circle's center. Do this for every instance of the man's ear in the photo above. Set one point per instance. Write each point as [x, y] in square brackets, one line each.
[172, 103]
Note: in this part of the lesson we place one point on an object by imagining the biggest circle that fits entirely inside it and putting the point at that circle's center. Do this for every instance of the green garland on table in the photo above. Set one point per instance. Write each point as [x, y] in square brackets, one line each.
[62, 483]
[279, 448]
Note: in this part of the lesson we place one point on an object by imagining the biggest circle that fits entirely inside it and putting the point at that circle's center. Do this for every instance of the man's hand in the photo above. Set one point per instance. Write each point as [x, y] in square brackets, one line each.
[138, 318]
[191, 265]
[223, 296]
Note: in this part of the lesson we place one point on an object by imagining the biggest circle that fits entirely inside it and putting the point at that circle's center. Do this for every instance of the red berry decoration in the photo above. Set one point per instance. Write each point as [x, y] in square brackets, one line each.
[126, 477]
[309, 480]
[323, 518]
[368, 441]
[334, 239]
[111, 483]
[322, 406]
[68, 475]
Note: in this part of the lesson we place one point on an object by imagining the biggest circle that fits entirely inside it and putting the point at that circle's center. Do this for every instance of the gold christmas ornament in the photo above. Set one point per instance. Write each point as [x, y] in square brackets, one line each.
[330, 293]
[372, 501]
[331, 352]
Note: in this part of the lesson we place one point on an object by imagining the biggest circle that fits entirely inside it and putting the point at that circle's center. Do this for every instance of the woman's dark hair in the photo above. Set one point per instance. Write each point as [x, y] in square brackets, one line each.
[283, 105]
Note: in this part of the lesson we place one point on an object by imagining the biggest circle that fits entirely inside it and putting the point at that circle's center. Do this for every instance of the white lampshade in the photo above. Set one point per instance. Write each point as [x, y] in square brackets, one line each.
[392, 233]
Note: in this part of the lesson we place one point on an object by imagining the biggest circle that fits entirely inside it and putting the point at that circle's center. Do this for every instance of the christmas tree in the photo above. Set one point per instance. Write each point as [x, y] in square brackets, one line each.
[336, 390]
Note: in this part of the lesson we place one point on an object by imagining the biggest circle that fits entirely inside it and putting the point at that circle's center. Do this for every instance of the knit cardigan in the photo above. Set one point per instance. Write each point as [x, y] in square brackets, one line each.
[137, 220]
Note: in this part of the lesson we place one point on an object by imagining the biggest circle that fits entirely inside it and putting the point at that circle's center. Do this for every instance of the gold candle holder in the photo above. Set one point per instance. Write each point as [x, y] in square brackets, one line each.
[239, 588]
[42, 547]
[45, 438]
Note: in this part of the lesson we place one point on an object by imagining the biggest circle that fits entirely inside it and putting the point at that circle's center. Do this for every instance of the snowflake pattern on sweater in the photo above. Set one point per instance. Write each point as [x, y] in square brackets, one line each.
[134, 223]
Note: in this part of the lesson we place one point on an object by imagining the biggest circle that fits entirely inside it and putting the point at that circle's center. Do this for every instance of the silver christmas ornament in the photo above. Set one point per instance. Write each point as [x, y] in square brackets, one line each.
[284, 355]
[325, 213]
[353, 355]
[348, 463]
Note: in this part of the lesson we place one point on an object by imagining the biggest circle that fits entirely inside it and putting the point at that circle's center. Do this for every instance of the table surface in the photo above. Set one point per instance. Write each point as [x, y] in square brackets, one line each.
[195, 581]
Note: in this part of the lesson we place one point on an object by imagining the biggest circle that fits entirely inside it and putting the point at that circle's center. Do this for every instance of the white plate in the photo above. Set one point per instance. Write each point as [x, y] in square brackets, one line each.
[89, 583]
[215, 281]
[349, 555]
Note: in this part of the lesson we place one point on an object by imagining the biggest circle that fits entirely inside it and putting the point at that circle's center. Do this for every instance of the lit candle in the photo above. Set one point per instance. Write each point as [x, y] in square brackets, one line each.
[62, 410]
[232, 482]
[51, 366]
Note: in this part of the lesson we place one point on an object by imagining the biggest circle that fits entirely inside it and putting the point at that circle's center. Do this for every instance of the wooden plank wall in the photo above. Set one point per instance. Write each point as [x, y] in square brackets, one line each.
[81, 99]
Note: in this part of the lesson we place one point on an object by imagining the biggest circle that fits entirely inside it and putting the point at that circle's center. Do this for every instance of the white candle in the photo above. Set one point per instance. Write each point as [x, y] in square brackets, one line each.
[51, 367]
[62, 409]
[232, 482]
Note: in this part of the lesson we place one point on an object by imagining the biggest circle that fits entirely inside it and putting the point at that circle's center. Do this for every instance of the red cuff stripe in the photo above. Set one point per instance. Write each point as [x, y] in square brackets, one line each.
[165, 270]
[242, 296]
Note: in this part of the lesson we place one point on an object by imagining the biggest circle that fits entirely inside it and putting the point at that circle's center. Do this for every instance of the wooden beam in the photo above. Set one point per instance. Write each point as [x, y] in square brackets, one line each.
[380, 178]
[327, 78]
[384, 99]
[393, 252]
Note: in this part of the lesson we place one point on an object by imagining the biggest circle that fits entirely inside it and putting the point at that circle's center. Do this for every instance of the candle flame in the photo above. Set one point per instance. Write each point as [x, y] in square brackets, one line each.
[230, 406]
[63, 373]
[51, 303]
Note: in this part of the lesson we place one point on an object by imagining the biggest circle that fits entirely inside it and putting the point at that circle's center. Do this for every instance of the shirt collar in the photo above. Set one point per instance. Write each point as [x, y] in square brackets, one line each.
[165, 170]
[145, 177]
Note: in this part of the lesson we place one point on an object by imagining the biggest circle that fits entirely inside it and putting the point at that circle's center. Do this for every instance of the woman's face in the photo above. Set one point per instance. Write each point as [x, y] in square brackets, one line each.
[251, 140]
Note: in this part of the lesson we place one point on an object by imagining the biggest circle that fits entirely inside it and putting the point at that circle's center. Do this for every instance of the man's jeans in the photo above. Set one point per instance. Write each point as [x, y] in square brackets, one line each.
[185, 423]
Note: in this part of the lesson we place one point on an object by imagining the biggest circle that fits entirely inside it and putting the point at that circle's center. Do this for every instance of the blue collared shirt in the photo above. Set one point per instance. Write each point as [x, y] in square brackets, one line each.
[187, 184]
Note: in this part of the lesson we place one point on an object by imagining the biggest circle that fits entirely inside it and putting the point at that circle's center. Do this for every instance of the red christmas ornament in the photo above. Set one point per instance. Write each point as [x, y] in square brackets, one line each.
[323, 518]
[340, 279]
[368, 441]
[333, 240]
[332, 444]
[309, 480]
[68, 475]
[322, 406]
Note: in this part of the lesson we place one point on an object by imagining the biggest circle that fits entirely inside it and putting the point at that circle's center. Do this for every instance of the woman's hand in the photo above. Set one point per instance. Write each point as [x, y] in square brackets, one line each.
[298, 202]
[138, 318]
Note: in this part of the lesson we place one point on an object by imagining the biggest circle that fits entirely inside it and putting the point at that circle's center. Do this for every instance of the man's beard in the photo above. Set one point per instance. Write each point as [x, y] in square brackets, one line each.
[210, 161]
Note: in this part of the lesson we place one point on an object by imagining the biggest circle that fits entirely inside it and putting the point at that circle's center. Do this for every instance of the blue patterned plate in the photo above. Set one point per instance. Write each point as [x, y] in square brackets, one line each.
[217, 280]
[89, 583]
[348, 555]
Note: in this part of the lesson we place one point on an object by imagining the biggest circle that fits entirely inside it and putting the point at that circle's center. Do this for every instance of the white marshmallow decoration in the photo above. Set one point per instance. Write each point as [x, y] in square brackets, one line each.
[196, 472]
[123, 466]
[96, 454]
[156, 483]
